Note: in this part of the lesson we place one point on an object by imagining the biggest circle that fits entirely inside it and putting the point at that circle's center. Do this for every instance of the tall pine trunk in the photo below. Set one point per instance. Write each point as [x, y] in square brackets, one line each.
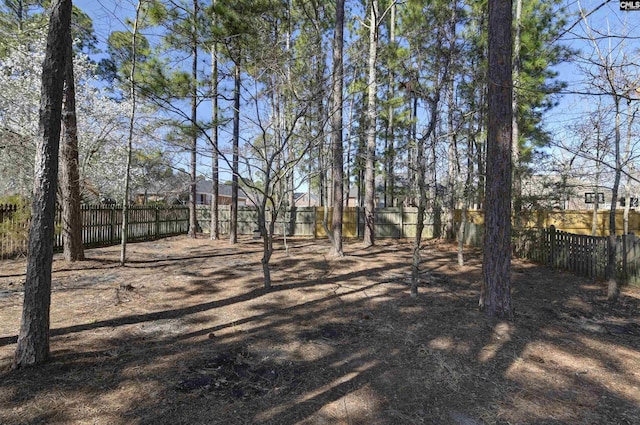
[453, 157]
[336, 132]
[389, 148]
[515, 130]
[193, 214]
[370, 191]
[33, 339]
[495, 295]
[69, 170]
[215, 171]
[233, 219]
[453, 164]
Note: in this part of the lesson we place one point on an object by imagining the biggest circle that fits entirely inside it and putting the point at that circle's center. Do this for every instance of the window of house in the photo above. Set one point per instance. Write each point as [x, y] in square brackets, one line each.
[634, 202]
[590, 197]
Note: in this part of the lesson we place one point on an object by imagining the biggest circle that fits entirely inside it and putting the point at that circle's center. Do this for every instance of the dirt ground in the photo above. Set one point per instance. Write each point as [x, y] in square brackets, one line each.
[185, 334]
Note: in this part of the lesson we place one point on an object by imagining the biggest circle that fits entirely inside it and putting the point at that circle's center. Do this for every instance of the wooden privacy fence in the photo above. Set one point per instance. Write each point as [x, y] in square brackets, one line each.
[399, 222]
[13, 229]
[101, 226]
[582, 254]
[579, 222]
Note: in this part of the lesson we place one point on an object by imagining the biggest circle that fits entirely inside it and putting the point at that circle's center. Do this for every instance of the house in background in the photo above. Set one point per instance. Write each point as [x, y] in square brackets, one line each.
[554, 192]
[204, 188]
[169, 190]
[305, 199]
[176, 191]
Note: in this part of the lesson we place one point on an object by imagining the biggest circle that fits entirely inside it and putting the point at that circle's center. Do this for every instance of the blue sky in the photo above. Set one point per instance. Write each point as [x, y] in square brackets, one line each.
[607, 23]
[607, 18]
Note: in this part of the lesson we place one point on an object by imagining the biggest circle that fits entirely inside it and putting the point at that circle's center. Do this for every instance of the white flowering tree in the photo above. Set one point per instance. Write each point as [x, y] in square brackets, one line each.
[102, 125]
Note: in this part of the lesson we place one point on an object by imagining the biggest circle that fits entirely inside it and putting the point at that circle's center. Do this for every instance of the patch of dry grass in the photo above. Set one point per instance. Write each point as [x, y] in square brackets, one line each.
[185, 334]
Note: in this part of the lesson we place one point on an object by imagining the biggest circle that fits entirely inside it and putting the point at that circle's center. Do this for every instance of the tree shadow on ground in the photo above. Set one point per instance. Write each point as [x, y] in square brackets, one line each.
[347, 347]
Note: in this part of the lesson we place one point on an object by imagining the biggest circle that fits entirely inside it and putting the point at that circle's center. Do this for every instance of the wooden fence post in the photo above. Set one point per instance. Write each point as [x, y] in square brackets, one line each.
[632, 263]
[623, 242]
[112, 219]
[156, 226]
[315, 223]
[552, 246]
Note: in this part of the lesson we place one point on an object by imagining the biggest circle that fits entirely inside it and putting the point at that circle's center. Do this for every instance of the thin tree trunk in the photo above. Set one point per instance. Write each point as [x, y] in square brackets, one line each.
[594, 218]
[613, 291]
[411, 155]
[495, 295]
[389, 151]
[69, 172]
[132, 114]
[453, 165]
[515, 131]
[627, 156]
[336, 132]
[193, 214]
[349, 131]
[267, 242]
[454, 161]
[422, 197]
[515, 138]
[467, 193]
[33, 339]
[286, 120]
[233, 219]
[215, 171]
[369, 208]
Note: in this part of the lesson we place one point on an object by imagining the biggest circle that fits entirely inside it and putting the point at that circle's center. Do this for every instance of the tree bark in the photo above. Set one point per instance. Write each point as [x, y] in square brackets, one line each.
[69, 173]
[370, 191]
[33, 339]
[515, 130]
[215, 170]
[627, 156]
[132, 115]
[233, 219]
[389, 148]
[193, 215]
[453, 157]
[453, 164]
[612, 243]
[495, 296]
[422, 199]
[336, 132]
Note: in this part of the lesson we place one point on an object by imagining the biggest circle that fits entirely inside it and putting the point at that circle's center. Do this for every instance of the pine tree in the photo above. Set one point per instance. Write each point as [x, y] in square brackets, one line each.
[33, 339]
[69, 168]
[495, 296]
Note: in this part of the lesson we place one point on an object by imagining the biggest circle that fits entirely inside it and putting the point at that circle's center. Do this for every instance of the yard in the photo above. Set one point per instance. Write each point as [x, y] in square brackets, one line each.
[185, 334]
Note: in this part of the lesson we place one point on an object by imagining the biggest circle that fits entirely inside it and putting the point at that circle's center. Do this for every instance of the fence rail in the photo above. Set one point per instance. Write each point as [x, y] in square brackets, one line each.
[101, 226]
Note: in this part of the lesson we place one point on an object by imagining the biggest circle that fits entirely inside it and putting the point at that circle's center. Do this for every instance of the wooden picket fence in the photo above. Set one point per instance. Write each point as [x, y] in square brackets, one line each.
[101, 226]
[582, 254]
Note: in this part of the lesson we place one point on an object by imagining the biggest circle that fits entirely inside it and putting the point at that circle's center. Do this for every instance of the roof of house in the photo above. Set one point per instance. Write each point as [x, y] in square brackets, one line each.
[298, 195]
[175, 185]
[206, 186]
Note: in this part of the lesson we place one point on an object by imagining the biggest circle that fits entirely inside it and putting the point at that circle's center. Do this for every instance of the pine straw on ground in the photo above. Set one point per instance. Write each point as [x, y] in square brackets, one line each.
[185, 334]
